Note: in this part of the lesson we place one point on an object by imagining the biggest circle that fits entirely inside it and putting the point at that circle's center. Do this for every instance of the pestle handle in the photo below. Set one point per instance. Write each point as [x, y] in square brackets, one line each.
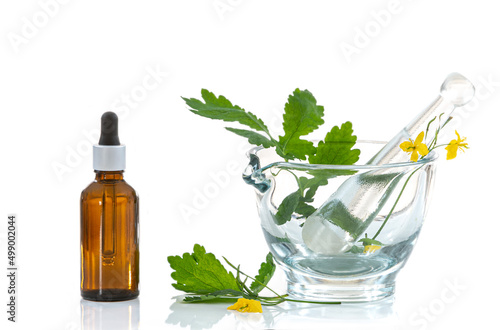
[456, 91]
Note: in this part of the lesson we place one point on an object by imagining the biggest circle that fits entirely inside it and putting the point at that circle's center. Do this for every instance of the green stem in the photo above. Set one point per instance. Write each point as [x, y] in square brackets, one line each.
[275, 142]
[241, 284]
[315, 302]
[441, 145]
[298, 183]
[278, 297]
[237, 269]
[278, 148]
[280, 300]
[395, 203]
[273, 298]
[271, 301]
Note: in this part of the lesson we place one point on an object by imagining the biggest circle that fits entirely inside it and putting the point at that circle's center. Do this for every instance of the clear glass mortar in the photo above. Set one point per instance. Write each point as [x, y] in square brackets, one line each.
[347, 276]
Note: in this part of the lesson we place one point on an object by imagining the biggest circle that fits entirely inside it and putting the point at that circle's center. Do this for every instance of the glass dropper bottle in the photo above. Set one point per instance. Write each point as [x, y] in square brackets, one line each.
[109, 220]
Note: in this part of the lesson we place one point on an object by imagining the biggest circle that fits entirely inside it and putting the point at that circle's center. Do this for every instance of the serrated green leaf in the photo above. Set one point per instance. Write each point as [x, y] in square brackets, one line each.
[304, 209]
[253, 137]
[312, 185]
[222, 109]
[302, 116]
[266, 272]
[297, 201]
[336, 148]
[296, 148]
[200, 273]
[287, 207]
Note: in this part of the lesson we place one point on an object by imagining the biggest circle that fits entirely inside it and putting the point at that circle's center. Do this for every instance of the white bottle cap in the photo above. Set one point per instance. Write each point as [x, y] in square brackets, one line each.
[109, 154]
[109, 158]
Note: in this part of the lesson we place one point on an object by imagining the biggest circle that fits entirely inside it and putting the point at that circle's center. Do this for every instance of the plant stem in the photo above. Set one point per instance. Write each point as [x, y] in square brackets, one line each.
[315, 302]
[298, 183]
[441, 145]
[278, 296]
[237, 268]
[395, 203]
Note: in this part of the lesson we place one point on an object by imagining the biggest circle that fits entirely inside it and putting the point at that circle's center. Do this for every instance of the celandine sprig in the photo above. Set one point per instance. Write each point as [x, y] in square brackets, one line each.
[418, 147]
[205, 279]
[414, 148]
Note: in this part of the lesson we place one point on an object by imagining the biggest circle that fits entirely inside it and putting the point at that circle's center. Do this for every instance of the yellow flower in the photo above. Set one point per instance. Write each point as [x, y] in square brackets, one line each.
[371, 248]
[415, 148]
[247, 306]
[454, 145]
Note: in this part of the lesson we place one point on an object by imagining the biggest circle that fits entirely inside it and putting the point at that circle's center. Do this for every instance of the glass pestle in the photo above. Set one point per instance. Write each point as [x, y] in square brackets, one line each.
[456, 91]
[335, 226]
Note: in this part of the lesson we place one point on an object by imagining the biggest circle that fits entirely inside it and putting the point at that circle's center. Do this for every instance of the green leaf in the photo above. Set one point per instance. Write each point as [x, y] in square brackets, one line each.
[266, 272]
[302, 116]
[296, 148]
[200, 273]
[222, 109]
[304, 209]
[297, 201]
[337, 147]
[253, 137]
[312, 185]
[287, 207]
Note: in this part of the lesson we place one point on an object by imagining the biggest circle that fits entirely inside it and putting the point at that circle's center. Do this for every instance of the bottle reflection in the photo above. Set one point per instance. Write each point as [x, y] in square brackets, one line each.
[110, 315]
[196, 316]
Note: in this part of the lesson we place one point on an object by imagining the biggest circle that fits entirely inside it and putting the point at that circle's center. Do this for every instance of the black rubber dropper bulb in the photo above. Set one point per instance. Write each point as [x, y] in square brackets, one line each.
[109, 130]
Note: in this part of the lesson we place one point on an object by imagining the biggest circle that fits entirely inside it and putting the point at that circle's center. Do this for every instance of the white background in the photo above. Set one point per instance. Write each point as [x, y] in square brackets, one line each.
[58, 76]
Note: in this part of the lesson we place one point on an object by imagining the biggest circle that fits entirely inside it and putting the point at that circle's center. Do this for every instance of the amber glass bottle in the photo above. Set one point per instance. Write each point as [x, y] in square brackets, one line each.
[109, 226]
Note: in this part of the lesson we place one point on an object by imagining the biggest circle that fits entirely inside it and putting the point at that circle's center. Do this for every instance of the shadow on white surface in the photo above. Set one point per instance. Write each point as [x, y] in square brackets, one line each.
[284, 316]
[105, 316]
